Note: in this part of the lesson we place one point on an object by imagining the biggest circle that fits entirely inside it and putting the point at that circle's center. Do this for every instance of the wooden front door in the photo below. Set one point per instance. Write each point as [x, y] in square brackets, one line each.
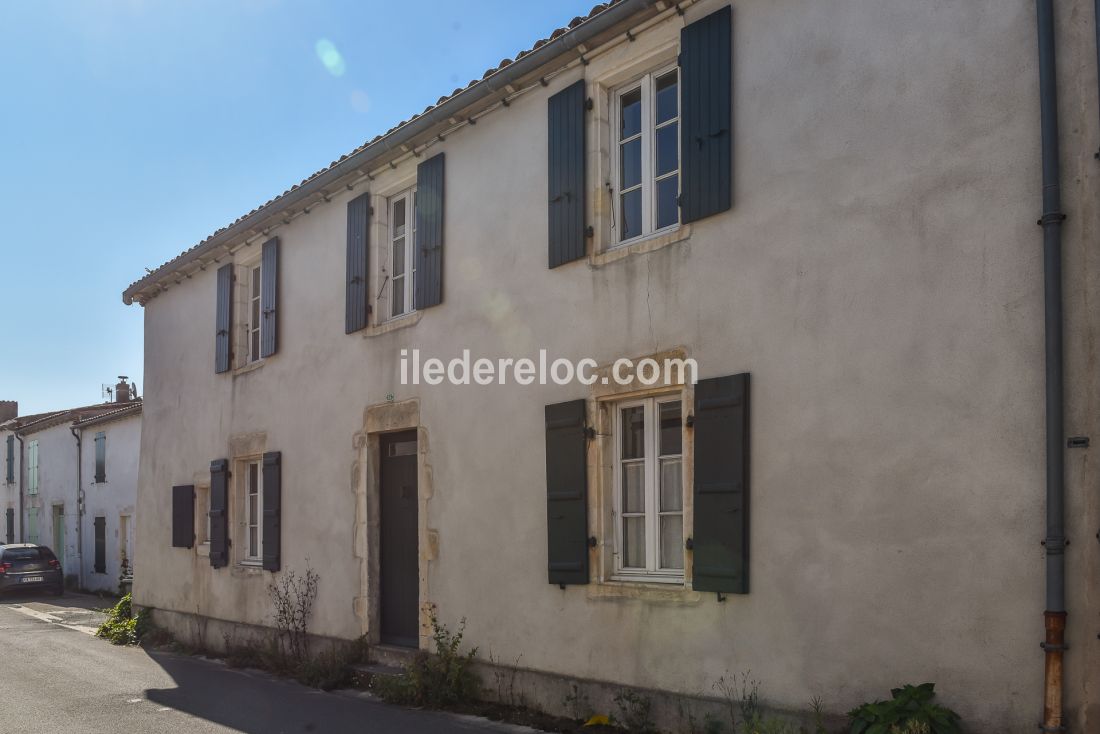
[399, 552]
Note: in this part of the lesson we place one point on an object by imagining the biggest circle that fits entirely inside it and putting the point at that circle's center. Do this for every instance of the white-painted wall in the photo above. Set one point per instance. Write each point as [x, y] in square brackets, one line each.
[9, 491]
[57, 485]
[879, 276]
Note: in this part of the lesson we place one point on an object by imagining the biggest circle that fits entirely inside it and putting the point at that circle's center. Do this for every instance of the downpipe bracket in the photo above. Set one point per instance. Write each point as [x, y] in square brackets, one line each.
[1051, 218]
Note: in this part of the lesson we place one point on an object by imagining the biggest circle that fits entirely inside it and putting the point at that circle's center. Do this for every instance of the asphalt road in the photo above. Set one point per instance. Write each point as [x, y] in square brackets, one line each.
[55, 677]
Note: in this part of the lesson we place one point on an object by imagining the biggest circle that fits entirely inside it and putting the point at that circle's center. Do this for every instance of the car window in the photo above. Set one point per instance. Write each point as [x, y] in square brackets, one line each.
[21, 554]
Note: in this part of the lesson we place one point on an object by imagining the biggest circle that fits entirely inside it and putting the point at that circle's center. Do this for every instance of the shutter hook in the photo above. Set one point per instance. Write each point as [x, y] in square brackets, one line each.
[721, 596]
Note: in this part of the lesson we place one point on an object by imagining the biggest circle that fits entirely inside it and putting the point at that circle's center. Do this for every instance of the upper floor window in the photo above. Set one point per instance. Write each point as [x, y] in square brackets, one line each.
[649, 501]
[100, 457]
[32, 467]
[402, 240]
[647, 151]
[255, 312]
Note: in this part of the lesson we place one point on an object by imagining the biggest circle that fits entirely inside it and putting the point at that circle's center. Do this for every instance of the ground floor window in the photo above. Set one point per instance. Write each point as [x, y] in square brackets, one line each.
[253, 512]
[100, 527]
[649, 496]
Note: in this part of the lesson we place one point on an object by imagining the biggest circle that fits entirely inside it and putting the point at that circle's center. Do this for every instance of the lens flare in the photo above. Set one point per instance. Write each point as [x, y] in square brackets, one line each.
[330, 57]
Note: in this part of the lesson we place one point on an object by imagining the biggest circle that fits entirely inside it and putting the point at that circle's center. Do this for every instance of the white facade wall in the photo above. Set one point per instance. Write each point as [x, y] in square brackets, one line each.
[57, 493]
[9, 491]
[879, 276]
[114, 499]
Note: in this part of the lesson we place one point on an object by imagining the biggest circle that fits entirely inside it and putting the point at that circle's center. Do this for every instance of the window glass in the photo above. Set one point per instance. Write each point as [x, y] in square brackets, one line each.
[668, 208]
[21, 554]
[253, 510]
[633, 423]
[631, 113]
[668, 100]
[668, 148]
[630, 224]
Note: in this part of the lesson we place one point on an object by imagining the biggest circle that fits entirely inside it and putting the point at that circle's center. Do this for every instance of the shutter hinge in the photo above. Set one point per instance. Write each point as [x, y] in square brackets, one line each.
[589, 232]
[589, 432]
[588, 105]
[1078, 442]
[370, 210]
[592, 543]
[689, 544]
[689, 422]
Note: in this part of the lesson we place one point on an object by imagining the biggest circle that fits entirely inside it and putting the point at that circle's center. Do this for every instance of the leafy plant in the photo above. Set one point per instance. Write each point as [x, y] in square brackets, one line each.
[442, 680]
[121, 626]
[292, 597]
[910, 706]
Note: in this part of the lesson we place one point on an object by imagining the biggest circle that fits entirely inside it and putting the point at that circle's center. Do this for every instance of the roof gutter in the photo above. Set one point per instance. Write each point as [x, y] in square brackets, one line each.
[489, 86]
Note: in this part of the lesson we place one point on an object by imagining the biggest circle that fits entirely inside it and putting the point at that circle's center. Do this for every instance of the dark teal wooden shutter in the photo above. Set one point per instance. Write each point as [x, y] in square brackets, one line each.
[567, 493]
[219, 515]
[566, 169]
[356, 301]
[428, 286]
[11, 525]
[269, 298]
[100, 560]
[706, 117]
[272, 502]
[720, 538]
[11, 459]
[183, 516]
[223, 351]
[100, 457]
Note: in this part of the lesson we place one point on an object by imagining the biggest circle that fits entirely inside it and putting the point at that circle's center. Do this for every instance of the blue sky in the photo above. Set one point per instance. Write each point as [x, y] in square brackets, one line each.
[130, 130]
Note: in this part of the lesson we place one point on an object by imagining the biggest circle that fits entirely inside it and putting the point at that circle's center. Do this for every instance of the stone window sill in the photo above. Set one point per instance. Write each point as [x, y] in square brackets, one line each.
[250, 367]
[401, 322]
[649, 243]
[661, 593]
[203, 549]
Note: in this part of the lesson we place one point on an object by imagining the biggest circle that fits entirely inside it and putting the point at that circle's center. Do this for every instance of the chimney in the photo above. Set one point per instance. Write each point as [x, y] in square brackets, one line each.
[8, 409]
[122, 390]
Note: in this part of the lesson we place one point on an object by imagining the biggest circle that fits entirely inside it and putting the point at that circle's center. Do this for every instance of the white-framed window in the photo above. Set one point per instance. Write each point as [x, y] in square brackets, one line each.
[253, 512]
[32, 467]
[649, 496]
[402, 260]
[646, 165]
[202, 500]
[254, 312]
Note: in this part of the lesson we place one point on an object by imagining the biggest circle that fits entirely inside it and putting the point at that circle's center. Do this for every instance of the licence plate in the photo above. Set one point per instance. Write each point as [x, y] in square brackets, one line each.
[29, 579]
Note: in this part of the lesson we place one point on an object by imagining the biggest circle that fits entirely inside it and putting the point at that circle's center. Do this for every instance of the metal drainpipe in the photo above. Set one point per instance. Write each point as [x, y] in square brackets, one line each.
[1051, 222]
[79, 510]
[22, 522]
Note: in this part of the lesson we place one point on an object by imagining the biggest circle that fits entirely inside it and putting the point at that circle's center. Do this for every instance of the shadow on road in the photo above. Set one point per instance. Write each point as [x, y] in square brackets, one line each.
[87, 602]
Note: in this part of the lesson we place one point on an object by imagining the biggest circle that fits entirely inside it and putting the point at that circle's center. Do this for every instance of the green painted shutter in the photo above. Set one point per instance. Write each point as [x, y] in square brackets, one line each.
[100, 457]
[183, 516]
[11, 459]
[720, 538]
[272, 504]
[100, 561]
[567, 493]
[219, 513]
[223, 339]
[269, 298]
[428, 285]
[566, 174]
[706, 118]
[357, 296]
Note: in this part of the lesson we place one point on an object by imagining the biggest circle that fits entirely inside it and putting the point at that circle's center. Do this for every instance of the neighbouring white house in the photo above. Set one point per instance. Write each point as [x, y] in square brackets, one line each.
[73, 484]
[831, 207]
[9, 473]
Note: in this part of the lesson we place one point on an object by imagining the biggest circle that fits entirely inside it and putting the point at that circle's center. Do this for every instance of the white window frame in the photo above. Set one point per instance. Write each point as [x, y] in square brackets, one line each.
[250, 519]
[648, 84]
[254, 310]
[408, 278]
[653, 571]
[32, 467]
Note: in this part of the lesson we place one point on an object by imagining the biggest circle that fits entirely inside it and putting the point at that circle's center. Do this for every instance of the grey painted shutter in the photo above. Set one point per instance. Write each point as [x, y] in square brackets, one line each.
[100, 457]
[566, 182]
[567, 493]
[272, 499]
[183, 516]
[428, 285]
[269, 298]
[11, 525]
[11, 459]
[100, 561]
[219, 516]
[356, 302]
[721, 494]
[223, 352]
[706, 137]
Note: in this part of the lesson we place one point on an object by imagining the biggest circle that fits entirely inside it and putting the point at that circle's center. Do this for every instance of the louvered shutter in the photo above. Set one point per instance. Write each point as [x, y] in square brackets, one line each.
[223, 352]
[11, 525]
[100, 560]
[269, 298]
[219, 516]
[567, 493]
[100, 457]
[11, 459]
[183, 516]
[272, 503]
[356, 302]
[721, 493]
[706, 138]
[566, 169]
[428, 285]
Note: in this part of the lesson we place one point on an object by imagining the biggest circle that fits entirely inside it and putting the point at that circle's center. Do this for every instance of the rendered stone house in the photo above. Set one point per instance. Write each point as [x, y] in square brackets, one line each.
[829, 207]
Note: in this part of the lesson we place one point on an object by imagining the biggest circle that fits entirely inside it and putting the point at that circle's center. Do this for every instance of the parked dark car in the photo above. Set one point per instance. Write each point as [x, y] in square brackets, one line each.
[29, 567]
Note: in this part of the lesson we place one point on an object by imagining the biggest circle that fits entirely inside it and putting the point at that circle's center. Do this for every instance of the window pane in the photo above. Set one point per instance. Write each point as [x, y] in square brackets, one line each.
[633, 542]
[630, 164]
[667, 102]
[253, 479]
[667, 149]
[254, 346]
[252, 509]
[670, 428]
[255, 282]
[631, 218]
[630, 106]
[668, 211]
[398, 257]
[672, 485]
[634, 487]
[672, 541]
[399, 217]
[633, 427]
[398, 296]
[252, 544]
